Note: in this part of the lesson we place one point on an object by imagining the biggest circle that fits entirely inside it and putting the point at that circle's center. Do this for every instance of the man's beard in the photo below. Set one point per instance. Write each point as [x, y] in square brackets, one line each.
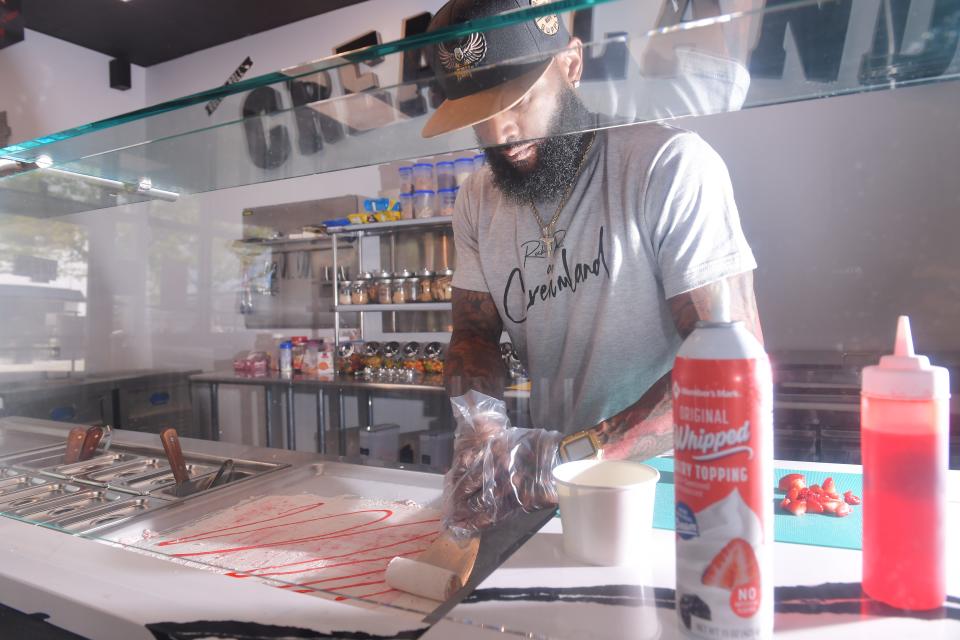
[557, 157]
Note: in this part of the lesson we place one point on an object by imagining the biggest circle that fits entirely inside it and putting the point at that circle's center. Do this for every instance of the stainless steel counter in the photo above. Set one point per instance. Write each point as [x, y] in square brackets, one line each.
[271, 472]
[327, 392]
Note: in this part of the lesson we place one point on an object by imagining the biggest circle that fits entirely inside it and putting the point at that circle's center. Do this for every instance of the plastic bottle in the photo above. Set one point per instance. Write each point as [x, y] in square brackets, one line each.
[904, 440]
[286, 358]
[722, 393]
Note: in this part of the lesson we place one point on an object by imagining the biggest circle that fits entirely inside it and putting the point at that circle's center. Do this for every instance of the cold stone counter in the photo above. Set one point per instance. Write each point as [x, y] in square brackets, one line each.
[99, 587]
[99, 590]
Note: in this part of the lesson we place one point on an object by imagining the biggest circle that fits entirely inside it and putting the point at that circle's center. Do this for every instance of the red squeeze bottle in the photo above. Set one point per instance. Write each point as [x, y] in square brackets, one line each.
[904, 431]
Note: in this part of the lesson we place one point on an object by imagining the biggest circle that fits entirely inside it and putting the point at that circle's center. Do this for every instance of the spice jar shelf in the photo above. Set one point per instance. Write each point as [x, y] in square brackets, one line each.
[383, 228]
[441, 224]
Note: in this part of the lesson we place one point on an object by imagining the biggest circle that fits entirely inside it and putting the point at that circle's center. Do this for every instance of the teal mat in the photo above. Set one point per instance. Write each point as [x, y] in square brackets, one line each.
[813, 528]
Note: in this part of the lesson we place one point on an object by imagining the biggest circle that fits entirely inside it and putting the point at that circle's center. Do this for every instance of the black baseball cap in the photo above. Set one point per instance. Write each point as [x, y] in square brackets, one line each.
[486, 73]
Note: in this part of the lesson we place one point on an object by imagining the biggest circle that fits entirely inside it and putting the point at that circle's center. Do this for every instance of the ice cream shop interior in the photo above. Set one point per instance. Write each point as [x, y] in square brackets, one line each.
[475, 319]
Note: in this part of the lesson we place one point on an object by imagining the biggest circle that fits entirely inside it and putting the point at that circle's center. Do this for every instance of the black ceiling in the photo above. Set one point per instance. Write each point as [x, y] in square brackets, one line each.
[148, 32]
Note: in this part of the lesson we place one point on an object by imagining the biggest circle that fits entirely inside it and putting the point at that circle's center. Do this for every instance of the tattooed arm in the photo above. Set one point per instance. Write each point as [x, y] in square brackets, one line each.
[645, 428]
[473, 357]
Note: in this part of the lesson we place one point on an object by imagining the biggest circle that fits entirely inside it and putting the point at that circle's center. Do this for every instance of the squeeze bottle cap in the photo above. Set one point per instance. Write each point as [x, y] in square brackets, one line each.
[905, 374]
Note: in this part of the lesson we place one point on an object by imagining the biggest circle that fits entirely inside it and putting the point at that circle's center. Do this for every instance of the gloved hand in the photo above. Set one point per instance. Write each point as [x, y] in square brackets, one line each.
[497, 470]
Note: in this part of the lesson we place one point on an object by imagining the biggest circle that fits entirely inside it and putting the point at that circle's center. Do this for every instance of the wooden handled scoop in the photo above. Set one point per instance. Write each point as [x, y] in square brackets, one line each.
[171, 446]
[74, 444]
[90, 442]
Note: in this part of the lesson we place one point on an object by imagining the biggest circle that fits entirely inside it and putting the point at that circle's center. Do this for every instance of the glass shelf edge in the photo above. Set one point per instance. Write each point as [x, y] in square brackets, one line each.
[302, 69]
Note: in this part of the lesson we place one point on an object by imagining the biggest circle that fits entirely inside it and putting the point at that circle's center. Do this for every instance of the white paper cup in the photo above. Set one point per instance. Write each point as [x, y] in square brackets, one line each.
[606, 507]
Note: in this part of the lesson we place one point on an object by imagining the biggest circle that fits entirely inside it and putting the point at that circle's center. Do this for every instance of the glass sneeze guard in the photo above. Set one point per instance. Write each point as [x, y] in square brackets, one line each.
[305, 119]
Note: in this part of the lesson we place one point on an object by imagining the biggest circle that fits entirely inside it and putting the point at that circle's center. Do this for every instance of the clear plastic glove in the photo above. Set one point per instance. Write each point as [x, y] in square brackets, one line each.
[497, 470]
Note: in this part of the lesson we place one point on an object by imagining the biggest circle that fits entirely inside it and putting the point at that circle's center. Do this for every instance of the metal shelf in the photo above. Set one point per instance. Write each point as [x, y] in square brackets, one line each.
[410, 306]
[287, 243]
[384, 228]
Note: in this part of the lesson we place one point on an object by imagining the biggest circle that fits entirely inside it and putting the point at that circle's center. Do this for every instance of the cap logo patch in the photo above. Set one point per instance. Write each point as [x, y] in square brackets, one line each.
[549, 25]
[467, 53]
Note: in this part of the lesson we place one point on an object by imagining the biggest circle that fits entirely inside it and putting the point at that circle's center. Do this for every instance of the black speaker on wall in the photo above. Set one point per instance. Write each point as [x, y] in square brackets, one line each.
[120, 74]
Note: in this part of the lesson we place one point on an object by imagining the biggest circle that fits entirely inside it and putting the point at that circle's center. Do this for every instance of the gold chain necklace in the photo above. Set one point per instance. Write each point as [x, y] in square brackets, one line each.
[548, 230]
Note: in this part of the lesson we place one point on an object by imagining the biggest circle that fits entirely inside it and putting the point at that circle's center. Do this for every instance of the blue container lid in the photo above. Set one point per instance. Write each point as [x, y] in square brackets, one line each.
[470, 160]
[479, 155]
[286, 345]
[423, 164]
[406, 195]
[445, 163]
[405, 169]
[419, 191]
[453, 190]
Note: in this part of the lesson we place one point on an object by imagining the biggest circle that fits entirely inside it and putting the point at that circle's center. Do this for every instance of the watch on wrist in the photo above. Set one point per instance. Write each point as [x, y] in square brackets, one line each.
[582, 445]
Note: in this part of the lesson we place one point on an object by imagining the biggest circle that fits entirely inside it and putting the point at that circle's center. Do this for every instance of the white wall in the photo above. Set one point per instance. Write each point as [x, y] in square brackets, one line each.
[286, 46]
[48, 85]
[851, 205]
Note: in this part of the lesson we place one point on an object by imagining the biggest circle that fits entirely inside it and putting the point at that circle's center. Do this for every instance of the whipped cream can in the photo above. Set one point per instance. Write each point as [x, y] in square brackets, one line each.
[723, 446]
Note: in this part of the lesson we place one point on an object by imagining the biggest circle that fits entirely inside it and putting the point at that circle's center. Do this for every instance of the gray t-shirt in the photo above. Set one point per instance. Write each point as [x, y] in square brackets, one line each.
[651, 216]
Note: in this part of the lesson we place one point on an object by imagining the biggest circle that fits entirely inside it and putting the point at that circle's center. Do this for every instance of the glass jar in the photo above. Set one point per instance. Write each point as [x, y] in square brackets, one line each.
[443, 286]
[406, 179]
[398, 291]
[358, 292]
[391, 355]
[349, 359]
[344, 288]
[425, 278]
[422, 176]
[424, 203]
[376, 287]
[411, 357]
[411, 288]
[311, 358]
[365, 280]
[406, 206]
[447, 198]
[462, 168]
[445, 176]
[372, 359]
[384, 289]
[433, 358]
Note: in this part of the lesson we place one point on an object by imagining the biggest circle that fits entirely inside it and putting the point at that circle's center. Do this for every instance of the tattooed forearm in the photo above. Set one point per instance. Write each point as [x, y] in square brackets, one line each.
[643, 429]
[687, 308]
[473, 357]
